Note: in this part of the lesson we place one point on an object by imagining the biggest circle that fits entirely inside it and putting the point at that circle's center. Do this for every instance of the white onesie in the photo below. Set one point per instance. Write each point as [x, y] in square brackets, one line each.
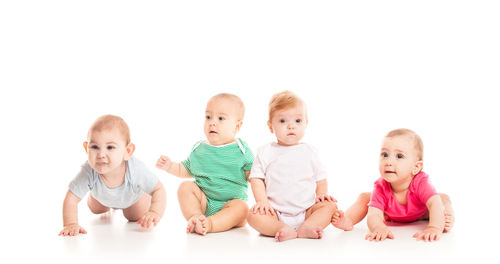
[290, 174]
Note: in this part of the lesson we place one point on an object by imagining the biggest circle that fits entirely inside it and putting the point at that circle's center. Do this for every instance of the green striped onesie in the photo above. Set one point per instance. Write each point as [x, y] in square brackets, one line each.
[219, 171]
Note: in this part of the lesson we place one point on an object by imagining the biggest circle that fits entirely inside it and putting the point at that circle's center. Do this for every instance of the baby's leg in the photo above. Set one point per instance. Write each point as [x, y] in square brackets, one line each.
[318, 217]
[353, 215]
[270, 225]
[95, 206]
[193, 203]
[449, 215]
[232, 214]
[137, 210]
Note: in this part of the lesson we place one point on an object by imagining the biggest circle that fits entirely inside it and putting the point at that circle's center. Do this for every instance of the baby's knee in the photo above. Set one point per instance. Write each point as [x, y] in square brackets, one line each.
[240, 204]
[186, 187]
[330, 206]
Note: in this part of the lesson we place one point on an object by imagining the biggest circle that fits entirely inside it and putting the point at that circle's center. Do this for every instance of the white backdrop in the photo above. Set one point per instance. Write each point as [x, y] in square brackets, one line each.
[362, 67]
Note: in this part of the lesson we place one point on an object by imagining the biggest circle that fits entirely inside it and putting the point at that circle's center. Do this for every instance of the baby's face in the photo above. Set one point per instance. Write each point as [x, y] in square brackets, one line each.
[222, 121]
[289, 125]
[399, 159]
[106, 150]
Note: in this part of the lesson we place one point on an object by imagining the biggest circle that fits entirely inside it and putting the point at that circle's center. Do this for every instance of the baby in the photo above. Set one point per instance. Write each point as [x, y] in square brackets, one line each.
[114, 178]
[403, 193]
[288, 179]
[215, 201]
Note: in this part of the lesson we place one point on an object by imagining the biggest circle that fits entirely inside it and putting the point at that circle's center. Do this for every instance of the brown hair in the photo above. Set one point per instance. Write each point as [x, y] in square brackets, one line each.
[284, 100]
[109, 122]
[418, 144]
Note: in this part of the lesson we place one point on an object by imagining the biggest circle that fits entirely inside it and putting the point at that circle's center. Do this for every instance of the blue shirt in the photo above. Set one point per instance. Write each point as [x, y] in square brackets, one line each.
[138, 179]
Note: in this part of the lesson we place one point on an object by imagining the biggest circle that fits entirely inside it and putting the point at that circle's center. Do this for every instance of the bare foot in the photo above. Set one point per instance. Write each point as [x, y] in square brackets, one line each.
[199, 224]
[285, 233]
[449, 220]
[339, 220]
[306, 231]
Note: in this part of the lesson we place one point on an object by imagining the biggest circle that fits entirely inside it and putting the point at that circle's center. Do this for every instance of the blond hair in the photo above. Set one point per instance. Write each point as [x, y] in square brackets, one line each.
[284, 100]
[240, 107]
[418, 144]
[107, 122]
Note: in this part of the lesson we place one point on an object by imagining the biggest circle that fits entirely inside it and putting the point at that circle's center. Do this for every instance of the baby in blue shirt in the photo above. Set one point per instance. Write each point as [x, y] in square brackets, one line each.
[114, 178]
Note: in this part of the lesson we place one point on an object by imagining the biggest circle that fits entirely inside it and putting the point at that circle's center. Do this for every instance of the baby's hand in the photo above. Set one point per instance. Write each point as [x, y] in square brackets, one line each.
[149, 218]
[72, 230]
[429, 234]
[263, 208]
[380, 235]
[324, 198]
[163, 163]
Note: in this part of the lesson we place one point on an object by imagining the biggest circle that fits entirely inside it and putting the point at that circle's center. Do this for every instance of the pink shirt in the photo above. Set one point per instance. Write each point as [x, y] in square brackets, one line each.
[419, 192]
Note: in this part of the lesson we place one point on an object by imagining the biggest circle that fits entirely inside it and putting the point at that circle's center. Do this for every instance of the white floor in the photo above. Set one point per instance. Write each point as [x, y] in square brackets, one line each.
[111, 238]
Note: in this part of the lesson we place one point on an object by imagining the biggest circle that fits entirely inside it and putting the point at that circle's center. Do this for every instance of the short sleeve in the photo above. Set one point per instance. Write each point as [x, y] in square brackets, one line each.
[378, 199]
[187, 162]
[141, 176]
[187, 165]
[424, 188]
[82, 183]
[320, 172]
[249, 158]
[257, 170]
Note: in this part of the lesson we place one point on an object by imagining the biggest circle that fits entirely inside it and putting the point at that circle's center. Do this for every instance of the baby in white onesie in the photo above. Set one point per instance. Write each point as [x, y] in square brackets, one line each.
[288, 179]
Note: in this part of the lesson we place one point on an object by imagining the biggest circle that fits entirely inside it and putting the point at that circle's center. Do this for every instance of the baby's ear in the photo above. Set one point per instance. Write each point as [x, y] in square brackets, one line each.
[85, 146]
[239, 123]
[130, 151]
[419, 165]
[270, 126]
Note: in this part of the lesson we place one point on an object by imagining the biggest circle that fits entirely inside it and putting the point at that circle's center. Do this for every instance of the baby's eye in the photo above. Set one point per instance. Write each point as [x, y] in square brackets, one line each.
[298, 120]
[384, 154]
[207, 117]
[282, 121]
[221, 118]
[111, 147]
[94, 147]
[400, 156]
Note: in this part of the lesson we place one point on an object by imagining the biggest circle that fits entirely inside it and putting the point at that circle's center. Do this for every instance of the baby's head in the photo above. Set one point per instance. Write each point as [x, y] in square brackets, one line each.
[108, 144]
[223, 118]
[287, 118]
[401, 156]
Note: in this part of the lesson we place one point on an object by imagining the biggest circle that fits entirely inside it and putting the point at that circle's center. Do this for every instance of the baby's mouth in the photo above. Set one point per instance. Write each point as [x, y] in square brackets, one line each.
[390, 172]
[291, 134]
[213, 132]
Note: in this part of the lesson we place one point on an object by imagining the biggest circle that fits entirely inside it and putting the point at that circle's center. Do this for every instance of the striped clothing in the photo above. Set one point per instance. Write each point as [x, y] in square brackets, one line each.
[219, 171]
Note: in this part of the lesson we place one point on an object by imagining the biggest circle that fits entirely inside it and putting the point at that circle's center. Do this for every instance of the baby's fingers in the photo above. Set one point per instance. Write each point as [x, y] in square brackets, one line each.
[271, 211]
[254, 209]
[369, 236]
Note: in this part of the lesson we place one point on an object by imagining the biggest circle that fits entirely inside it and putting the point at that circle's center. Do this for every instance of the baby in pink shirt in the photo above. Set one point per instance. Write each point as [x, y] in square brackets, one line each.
[402, 193]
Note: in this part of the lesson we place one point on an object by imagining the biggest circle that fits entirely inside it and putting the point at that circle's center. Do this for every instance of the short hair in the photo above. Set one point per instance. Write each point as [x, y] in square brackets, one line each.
[109, 122]
[418, 144]
[284, 100]
[240, 107]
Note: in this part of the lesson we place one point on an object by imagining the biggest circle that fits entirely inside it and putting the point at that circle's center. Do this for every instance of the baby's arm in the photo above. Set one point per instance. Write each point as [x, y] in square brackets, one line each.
[158, 203]
[70, 216]
[435, 228]
[262, 205]
[177, 169]
[376, 225]
[322, 192]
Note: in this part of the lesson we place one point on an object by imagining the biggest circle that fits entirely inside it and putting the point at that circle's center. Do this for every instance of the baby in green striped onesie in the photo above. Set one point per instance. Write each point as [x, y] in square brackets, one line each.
[220, 166]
